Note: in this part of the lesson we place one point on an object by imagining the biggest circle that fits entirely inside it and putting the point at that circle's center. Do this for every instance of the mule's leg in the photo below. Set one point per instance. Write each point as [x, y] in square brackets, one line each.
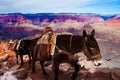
[21, 57]
[33, 65]
[34, 55]
[29, 58]
[33, 62]
[74, 76]
[42, 66]
[56, 70]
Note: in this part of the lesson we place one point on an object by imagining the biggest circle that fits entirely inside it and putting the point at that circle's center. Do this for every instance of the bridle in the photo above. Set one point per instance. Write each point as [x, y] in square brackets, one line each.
[89, 57]
[86, 52]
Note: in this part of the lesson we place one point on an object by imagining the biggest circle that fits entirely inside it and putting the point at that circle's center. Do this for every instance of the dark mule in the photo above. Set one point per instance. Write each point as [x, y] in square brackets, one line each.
[26, 46]
[23, 47]
[40, 53]
[68, 46]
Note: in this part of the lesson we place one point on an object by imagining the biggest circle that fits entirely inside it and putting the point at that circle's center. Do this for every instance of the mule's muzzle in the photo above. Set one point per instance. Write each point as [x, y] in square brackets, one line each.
[98, 63]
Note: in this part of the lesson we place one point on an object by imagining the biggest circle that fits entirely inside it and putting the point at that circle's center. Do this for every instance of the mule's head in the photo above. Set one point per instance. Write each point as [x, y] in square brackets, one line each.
[91, 48]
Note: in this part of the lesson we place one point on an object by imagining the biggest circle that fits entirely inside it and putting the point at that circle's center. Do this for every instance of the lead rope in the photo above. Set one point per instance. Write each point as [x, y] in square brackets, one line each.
[112, 58]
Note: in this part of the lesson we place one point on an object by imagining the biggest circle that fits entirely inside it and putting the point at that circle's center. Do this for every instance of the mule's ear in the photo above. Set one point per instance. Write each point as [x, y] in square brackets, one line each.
[84, 34]
[93, 32]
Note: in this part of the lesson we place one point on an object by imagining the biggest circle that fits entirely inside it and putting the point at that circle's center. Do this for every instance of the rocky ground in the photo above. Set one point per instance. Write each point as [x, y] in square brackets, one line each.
[9, 70]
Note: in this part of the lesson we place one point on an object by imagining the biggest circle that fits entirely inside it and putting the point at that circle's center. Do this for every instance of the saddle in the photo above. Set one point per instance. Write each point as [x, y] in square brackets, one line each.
[48, 39]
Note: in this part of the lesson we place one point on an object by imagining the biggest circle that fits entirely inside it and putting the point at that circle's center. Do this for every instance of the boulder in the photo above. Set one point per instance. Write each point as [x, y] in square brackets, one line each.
[3, 57]
[64, 67]
[8, 76]
[14, 68]
[21, 73]
[28, 78]
[4, 67]
[103, 70]
[1, 73]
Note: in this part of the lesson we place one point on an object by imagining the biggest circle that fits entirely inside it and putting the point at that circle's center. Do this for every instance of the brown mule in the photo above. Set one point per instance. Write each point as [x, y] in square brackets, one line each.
[70, 45]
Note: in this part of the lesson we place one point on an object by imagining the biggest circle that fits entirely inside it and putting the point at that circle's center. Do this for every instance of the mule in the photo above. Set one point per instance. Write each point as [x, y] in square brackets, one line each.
[23, 47]
[40, 53]
[68, 46]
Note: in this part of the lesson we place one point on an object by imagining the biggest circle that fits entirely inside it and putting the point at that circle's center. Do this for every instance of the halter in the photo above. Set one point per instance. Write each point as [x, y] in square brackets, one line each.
[87, 53]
